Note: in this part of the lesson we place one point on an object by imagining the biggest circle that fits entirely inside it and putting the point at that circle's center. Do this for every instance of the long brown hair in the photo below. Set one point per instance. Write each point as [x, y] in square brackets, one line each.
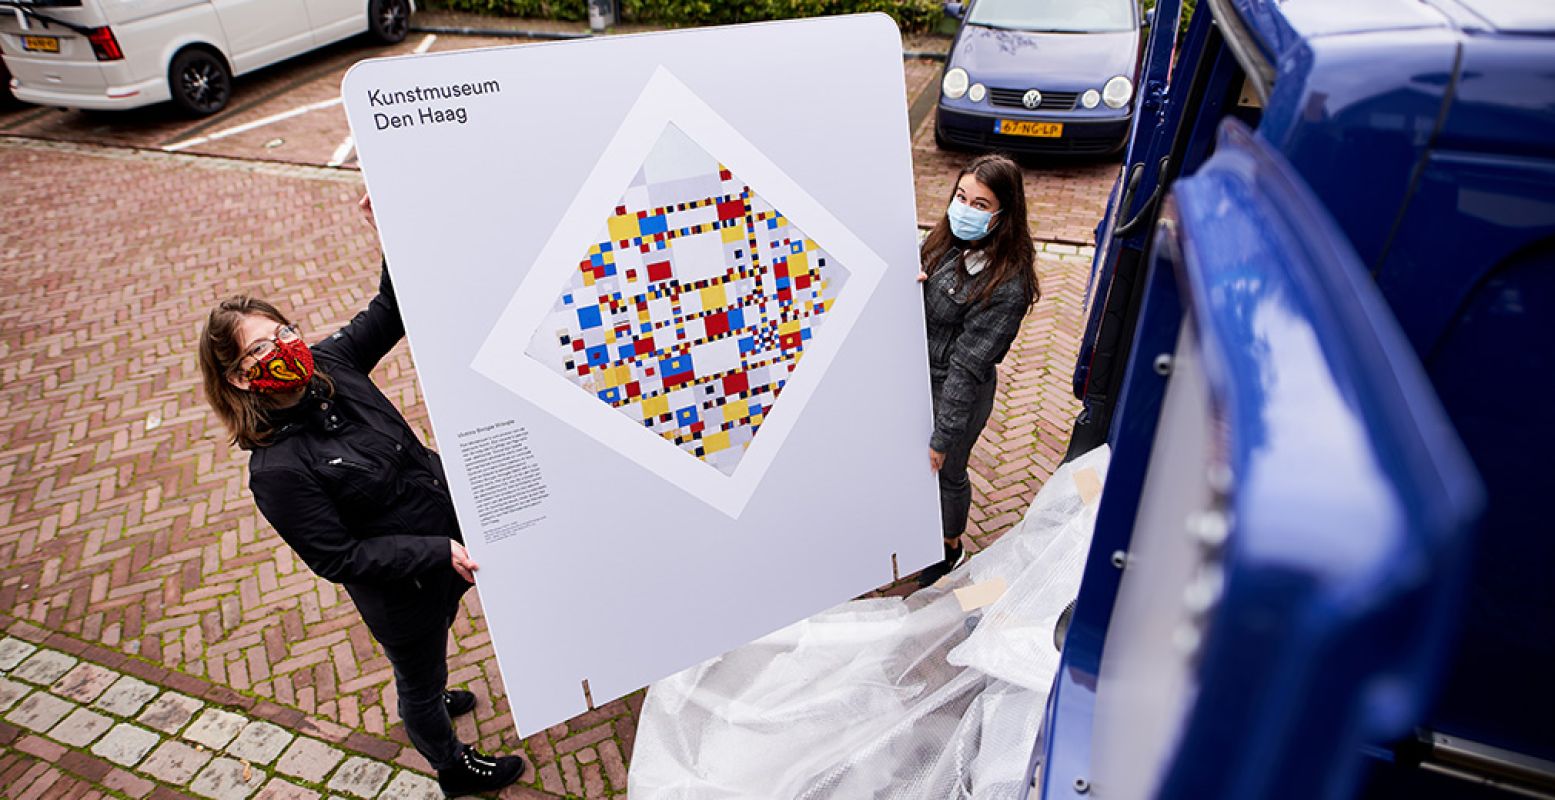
[1011, 255]
[243, 413]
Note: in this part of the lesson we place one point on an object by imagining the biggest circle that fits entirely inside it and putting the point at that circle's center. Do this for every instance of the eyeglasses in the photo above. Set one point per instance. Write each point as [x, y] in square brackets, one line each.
[261, 350]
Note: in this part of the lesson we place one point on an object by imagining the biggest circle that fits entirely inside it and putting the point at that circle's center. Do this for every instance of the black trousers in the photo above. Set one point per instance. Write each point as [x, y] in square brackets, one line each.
[955, 489]
[420, 665]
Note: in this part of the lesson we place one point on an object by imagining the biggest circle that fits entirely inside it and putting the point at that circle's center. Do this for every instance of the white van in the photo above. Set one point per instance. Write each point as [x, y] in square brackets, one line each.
[115, 54]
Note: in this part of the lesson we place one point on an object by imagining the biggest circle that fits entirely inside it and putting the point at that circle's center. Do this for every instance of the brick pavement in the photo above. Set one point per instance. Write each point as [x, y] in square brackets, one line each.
[128, 537]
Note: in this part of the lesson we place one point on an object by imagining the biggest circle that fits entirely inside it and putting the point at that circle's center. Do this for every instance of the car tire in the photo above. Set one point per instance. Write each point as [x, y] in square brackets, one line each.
[388, 20]
[200, 82]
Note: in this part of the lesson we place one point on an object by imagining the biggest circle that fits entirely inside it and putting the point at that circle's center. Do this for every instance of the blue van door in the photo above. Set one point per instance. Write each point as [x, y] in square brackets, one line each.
[1279, 551]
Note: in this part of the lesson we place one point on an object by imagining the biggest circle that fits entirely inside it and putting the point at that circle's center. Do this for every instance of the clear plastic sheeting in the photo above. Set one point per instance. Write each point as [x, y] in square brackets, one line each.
[937, 695]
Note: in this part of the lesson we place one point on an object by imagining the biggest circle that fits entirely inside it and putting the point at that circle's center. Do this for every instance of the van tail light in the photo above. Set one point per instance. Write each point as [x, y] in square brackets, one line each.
[104, 46]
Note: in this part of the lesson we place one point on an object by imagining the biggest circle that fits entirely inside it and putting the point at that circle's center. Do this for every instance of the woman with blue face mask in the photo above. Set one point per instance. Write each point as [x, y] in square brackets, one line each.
[979, 279]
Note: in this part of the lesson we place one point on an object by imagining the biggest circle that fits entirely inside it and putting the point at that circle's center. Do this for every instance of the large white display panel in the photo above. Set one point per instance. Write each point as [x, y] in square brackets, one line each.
[660, 292]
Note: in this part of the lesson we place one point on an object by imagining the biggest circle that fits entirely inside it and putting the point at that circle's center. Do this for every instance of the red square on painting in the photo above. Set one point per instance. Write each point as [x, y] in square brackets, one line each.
[731, 209]
[659, 271]
[633, 389]
[643, 345]
[802, 282]
[716, 323]
[736, 383]
[785, 294]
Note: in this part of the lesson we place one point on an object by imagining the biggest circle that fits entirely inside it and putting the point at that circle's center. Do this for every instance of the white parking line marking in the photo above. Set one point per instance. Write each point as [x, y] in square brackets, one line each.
[342, 152]
[248, 126]
[426, 44]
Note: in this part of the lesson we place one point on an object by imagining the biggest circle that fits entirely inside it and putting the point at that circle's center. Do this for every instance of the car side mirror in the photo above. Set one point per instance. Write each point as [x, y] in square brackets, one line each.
[955, 10]
[1149, 17]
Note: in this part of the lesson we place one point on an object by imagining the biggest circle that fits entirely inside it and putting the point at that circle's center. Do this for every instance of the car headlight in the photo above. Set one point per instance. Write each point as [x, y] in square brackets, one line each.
[977, 92]
[1090, 98]
[955, 83]
[1117, 92]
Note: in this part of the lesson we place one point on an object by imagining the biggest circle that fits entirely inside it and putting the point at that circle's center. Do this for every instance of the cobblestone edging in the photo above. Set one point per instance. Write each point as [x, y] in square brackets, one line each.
[85, 725]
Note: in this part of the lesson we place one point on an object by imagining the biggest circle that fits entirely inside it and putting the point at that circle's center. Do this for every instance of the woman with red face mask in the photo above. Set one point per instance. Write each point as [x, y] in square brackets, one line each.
[344, 480]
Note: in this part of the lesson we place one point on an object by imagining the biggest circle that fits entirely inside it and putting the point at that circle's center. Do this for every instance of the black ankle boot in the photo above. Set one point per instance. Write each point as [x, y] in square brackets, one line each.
[930, 576]
[474, 772]
[458, 702]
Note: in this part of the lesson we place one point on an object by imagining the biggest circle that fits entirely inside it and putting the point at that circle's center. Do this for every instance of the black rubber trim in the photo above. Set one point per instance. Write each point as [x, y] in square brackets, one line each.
[1260, 71]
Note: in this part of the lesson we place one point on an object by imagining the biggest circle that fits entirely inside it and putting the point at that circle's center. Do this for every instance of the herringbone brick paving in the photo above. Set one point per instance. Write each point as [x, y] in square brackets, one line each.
[125, 522]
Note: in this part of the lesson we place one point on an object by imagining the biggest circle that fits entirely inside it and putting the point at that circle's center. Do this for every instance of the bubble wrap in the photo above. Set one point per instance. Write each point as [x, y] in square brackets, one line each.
[884, 697]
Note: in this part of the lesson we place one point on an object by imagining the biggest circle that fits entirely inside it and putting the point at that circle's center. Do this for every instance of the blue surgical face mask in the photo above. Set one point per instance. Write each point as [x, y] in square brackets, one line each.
[967, 223]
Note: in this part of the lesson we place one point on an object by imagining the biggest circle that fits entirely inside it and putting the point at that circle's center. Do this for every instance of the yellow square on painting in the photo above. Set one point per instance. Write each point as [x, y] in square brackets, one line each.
[792, 326]
[736, 409]
[798, 264]
[656, 406]
[716, 442]
[624, 226]
[733, 233]
[714, 297]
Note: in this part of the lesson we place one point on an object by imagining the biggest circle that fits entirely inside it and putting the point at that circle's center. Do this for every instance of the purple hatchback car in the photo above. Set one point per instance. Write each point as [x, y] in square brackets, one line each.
[1040, 76]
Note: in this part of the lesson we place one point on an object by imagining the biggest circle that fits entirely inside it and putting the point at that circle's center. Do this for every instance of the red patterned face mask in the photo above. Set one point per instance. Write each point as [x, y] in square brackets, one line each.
[288, 366]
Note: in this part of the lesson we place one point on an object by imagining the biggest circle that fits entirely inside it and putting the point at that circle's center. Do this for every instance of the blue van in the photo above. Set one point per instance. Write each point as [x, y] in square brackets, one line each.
[1321, 343]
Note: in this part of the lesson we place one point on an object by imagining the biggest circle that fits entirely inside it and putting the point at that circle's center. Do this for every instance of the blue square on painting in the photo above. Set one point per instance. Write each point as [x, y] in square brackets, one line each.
[605, 247]
[675, 365]
[610, 269]
[736, 317]
[772, 224]
[755, 408]
[598, 355]
[652, 225]
[588, 317]
[567, 299]
[611, 395]
[805, 335]
[782, 283]
[597, 259]
[646, 327]
[796, 247]
[686, 417]
[626, 351]
[748, 344]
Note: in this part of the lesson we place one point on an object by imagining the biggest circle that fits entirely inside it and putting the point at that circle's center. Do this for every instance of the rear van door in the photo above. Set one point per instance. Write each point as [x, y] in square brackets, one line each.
[1282, 538]
[49, 46]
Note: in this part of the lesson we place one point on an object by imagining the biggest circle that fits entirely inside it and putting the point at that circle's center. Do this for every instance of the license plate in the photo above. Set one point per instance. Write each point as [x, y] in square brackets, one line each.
[1024, 127]
[41, 44]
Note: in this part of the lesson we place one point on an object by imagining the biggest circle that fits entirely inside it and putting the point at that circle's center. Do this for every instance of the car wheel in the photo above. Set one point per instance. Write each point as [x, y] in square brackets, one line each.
[388, 20]
[200, 82]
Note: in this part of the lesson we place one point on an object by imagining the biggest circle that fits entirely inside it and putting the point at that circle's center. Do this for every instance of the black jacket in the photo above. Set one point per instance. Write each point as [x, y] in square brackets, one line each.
[347, 484]
[967, 339]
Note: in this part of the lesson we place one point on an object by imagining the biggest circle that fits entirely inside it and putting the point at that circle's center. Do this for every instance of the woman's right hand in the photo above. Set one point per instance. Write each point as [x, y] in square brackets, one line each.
[463, 564]
[366, 205]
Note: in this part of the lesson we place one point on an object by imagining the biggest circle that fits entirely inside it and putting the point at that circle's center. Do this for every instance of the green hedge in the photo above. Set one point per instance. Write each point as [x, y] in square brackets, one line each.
[912, 15]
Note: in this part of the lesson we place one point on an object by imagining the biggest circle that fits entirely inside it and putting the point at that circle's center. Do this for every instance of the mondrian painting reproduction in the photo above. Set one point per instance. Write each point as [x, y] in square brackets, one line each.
[692, 305]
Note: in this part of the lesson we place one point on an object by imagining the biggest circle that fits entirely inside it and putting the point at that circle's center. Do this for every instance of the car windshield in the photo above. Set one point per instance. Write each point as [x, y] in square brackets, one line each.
[1063, 16]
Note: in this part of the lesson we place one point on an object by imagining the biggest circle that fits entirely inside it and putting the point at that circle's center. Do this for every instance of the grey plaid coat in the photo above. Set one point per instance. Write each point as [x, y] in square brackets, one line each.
[966, 340]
